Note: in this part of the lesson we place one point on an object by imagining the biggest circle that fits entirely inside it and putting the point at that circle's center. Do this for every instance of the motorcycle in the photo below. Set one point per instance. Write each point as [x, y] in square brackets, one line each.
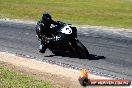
[67, 42]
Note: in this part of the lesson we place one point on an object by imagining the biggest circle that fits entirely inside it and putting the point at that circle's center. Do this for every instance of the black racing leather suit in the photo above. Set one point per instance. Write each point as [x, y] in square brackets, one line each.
[44, 32]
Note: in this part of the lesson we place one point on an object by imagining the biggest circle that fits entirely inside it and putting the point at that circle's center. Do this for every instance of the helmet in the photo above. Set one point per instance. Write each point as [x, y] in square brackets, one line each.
[46, 18]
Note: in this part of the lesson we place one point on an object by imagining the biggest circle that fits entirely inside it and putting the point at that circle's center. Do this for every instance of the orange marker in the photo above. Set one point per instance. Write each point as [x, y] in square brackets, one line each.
[86, 74]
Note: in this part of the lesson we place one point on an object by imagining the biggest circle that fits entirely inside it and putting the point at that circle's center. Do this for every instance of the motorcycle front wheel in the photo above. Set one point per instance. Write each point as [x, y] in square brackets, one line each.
[81, 50]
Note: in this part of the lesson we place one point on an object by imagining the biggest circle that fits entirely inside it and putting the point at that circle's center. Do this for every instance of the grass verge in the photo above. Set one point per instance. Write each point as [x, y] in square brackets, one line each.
[9, 79]
[116, 13]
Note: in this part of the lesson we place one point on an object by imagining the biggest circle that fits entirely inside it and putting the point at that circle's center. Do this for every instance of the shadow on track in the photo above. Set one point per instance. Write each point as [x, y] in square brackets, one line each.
[96, 57]
[91, 56]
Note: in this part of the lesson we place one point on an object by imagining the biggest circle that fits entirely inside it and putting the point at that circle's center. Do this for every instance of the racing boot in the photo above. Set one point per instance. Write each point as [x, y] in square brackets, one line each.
[42, 48]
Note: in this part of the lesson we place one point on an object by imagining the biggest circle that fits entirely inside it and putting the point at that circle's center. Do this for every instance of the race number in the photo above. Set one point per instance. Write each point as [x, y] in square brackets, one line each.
[66, 30]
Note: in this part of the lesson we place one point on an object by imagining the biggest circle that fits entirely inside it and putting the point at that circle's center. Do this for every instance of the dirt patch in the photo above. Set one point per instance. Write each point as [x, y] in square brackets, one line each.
[56, 81]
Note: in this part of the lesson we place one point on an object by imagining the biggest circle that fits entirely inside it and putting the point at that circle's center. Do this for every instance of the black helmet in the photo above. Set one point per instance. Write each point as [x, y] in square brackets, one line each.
[46, 18]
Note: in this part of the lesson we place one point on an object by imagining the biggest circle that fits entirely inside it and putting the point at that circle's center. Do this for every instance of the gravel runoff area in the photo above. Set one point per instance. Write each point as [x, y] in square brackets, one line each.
[57, 75]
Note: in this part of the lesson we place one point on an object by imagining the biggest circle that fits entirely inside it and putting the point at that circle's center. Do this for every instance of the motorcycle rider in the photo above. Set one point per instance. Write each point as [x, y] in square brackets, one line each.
[50, 32]
[45, 30]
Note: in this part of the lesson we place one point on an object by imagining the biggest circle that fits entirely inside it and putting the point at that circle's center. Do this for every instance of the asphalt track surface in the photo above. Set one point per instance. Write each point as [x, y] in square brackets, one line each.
[110, 51]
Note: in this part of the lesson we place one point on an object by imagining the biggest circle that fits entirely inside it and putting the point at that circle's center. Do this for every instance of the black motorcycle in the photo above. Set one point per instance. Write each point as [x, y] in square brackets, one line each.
[68, 42]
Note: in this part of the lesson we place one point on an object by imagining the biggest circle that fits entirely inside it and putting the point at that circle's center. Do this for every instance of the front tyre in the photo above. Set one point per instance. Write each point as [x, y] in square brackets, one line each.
[57, 53]
[81, 50]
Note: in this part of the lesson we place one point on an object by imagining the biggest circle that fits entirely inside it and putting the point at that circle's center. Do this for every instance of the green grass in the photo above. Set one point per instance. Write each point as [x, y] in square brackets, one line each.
[10, 79]
[116, 13]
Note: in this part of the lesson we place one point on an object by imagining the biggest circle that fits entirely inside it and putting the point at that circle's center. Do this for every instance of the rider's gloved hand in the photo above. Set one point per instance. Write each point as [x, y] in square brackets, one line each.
[45, 39]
